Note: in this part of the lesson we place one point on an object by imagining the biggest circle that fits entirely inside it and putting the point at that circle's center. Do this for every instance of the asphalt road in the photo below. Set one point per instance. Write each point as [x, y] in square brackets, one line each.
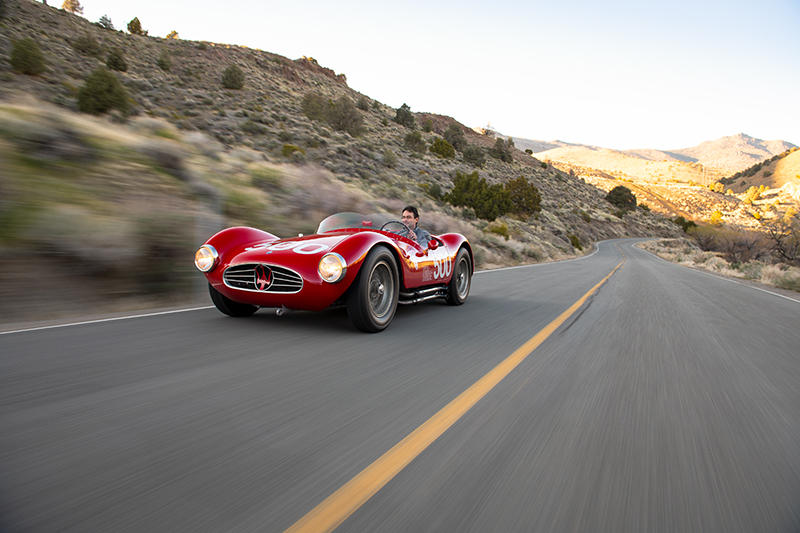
[669, 402]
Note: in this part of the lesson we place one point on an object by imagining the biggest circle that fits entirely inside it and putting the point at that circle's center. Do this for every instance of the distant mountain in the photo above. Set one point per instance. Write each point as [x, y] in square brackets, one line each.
[714, 159]
[538, 146]
[735, 152]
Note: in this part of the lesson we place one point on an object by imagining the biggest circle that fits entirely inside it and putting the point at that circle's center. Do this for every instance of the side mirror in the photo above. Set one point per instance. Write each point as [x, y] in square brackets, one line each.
[433, 244]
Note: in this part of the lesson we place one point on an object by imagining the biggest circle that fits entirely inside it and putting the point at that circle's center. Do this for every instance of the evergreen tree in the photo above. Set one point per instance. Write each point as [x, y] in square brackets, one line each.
[135, 27]
[405, 117]
[101, 93]
[105, 23]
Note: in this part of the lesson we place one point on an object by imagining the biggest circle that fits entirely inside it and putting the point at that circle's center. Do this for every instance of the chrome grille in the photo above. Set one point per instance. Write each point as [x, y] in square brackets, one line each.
[243, 277]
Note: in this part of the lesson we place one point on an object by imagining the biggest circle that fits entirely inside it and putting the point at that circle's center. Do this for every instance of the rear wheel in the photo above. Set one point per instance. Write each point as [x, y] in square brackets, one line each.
[373, 300]
[458, 288]
[228, 306]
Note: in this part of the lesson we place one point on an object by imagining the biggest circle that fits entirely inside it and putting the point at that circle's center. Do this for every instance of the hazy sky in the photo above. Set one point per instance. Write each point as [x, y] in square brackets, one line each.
[609, 73]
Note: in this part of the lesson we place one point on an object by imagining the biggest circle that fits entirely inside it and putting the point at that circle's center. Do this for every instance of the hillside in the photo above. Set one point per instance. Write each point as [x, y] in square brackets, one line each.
[779, 172]
[677, 182]
[194, 156]
[704, 163]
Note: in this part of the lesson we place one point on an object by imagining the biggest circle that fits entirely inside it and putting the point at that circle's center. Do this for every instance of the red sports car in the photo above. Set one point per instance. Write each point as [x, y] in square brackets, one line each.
[366, 262]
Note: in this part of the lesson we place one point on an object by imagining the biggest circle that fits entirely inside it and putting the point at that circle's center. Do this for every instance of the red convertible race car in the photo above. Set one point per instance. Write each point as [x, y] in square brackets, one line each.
[366, 262]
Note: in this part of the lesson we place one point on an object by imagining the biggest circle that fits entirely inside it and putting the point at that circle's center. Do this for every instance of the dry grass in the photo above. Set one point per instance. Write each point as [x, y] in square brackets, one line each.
[685, 252]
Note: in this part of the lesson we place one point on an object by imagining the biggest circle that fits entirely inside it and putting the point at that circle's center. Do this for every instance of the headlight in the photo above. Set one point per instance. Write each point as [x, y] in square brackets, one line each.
[332, 267]
[205, 258]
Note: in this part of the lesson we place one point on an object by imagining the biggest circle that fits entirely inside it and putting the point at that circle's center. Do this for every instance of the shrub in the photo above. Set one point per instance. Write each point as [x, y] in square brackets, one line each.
[499, 228]
[343, 116]
[442, 148]
[474, 155]
[102, 92]
[488, 201]
[585, 216]
[2, 9]
[502, 150]
[252, 128]
[685, 224]
[27, 57]
[427, 125]
[116, 61]
[575, 242]
[621, 197]
[172, 35]
[525, 197]
[86, 45]
[528, 151]
[753, 193]
[716, 217]
[135, 27]
[389, 158]
[315, 106]
[404, 117]
[435, 191]
[233, 77]
[267, 179]
[105, 23]
[363, 103]
[164, 61]
[455, 136]
[413, 141]
[288, 150]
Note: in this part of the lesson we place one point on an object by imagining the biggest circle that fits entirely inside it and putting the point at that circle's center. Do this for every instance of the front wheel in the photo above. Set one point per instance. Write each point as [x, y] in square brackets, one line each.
[228, 306]
[373, 299]
[458, 288]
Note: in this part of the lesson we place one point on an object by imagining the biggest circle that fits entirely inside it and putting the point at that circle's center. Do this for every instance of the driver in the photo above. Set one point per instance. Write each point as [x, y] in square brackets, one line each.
[411, 219]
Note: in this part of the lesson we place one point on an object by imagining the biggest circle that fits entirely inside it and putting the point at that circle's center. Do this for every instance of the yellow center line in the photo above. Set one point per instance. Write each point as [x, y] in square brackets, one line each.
[337, 507]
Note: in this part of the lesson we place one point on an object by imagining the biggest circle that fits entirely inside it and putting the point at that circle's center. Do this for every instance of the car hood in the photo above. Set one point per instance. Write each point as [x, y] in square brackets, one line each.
[291, 250]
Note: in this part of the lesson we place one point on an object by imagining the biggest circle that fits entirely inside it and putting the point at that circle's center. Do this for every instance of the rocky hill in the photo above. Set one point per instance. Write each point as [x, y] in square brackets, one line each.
[717, 158]
[110, 207]
[695, 183]
[778, 172]
[735, 152]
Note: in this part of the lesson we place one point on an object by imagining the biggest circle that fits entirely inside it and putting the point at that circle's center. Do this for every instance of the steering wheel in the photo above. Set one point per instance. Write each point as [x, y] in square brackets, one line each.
[397, 227]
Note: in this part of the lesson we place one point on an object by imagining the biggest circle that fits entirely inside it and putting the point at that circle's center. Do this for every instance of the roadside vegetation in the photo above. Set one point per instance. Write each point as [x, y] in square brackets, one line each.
[771, 256]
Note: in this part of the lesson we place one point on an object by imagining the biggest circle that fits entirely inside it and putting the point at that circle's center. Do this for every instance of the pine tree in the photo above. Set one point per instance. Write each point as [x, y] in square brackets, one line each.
[105, 23]
[135, 27]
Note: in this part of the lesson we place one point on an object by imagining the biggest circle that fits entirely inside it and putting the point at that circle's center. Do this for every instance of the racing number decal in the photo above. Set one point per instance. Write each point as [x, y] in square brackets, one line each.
[298, 247]
[442, 267]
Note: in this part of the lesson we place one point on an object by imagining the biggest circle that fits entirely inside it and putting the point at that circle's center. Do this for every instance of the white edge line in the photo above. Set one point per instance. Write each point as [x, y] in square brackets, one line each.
[106, 320]
[98, 321]
[723, 278]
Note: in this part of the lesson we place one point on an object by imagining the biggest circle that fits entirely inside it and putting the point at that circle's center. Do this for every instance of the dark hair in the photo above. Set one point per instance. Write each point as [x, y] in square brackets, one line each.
[412, 209]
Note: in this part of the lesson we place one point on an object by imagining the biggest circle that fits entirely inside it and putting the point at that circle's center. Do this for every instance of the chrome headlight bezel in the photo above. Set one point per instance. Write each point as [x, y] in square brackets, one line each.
[332, 267]
[202, 257]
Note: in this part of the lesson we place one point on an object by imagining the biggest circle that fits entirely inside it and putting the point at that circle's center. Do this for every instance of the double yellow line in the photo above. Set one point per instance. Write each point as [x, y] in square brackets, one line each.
[337, 507]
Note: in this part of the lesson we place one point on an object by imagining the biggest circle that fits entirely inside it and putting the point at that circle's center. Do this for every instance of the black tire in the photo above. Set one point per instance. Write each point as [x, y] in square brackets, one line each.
[460, 283]
[372, 302]
[228, 306]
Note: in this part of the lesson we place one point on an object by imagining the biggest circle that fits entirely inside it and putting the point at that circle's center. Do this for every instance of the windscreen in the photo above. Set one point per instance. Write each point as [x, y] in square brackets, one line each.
[351, 220]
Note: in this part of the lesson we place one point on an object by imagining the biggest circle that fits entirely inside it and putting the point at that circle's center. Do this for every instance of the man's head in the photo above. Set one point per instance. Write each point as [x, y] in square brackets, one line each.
[410, 216]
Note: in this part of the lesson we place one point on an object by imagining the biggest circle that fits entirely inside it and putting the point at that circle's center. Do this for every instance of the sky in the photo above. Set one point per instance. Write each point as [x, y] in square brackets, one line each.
[616, 74]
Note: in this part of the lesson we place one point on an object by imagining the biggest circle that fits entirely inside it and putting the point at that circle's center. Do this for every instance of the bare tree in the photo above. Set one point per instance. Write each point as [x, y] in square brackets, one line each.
[73, 6]
[785, 235]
